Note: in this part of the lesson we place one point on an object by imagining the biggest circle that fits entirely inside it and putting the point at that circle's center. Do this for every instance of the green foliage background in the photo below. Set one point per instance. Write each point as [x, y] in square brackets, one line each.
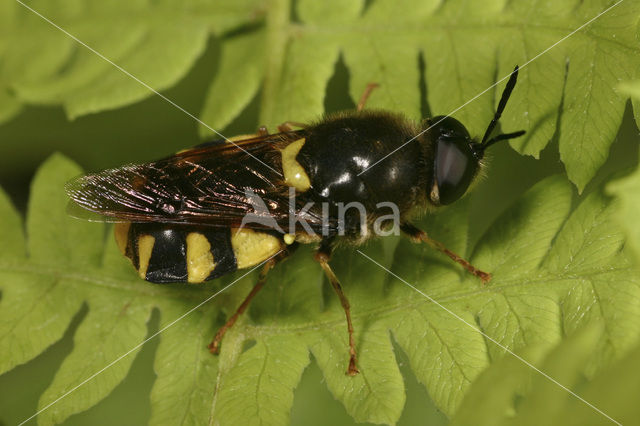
[559, 231]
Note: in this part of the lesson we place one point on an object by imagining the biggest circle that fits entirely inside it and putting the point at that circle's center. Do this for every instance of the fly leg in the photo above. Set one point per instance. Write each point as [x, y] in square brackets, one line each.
[420, 236]
[214, 346]
[322, 256]
[365, 95]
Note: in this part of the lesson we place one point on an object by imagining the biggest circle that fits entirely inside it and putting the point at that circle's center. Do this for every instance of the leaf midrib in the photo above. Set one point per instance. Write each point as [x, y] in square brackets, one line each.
[154, 16]
[410, 28]
[99, 279]
[155, 291]
[253, 331]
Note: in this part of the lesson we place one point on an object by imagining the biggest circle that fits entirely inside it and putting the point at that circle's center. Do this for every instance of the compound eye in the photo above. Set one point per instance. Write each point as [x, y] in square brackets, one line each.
[454, 169]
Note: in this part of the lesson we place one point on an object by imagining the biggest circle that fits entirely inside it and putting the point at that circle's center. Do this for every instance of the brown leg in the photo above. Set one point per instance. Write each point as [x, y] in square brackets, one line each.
[214, 346]
[322, 257]
[420, 236]
[288, 126]
[365, 95]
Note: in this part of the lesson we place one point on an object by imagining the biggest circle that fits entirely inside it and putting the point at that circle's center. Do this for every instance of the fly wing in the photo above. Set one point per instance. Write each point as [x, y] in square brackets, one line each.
[215, 184]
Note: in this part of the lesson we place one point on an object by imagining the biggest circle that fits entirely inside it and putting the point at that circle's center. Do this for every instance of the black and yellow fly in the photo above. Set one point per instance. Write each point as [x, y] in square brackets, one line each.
[184, 218]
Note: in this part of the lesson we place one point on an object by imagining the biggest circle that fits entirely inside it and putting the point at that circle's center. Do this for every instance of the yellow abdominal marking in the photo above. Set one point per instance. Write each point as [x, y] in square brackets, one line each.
[121, 232]
[200, 260]
[251, 247]
[294, 174]
[145, 247]
[289, 238]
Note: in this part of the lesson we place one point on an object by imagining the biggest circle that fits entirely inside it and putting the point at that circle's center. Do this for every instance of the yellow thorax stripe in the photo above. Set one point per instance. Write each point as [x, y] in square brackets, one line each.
[294, 173]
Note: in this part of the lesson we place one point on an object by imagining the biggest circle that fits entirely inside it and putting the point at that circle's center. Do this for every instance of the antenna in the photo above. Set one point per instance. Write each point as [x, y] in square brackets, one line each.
[503, 103]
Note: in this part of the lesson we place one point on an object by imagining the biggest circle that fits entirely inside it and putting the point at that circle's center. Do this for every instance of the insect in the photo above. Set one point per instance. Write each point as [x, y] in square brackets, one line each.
[184, 218]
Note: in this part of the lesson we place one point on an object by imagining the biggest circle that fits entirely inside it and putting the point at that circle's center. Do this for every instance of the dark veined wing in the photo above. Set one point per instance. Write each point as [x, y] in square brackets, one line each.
[216, 184]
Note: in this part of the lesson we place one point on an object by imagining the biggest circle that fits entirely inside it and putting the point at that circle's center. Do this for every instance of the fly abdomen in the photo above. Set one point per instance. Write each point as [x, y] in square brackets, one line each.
[167, 254]
[163, 253]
